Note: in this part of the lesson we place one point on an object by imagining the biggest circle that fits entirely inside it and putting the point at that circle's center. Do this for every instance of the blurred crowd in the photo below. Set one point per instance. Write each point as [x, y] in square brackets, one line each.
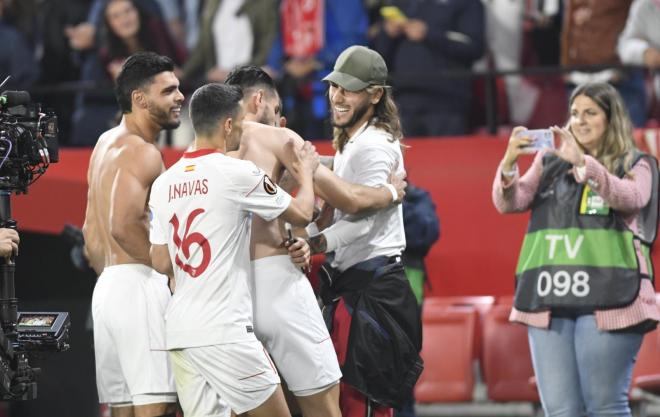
[67, 52]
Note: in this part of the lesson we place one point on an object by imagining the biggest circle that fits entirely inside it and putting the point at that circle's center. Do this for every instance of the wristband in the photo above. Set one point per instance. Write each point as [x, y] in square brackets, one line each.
[395, 195]
[312, 229]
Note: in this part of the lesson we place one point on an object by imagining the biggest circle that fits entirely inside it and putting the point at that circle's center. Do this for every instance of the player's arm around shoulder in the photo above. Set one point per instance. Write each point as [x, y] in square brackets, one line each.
[304, 162]
[300, 160]
[287, 180]
[277, 144]
[377, 191]
[138, 165]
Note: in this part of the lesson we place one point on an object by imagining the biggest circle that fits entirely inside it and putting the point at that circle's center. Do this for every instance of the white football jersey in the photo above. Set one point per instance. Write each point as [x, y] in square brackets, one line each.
[201, 208]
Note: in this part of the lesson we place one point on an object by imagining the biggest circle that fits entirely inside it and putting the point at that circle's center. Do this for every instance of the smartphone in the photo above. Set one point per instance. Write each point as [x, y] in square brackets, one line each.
[290, 240]
[541, 139]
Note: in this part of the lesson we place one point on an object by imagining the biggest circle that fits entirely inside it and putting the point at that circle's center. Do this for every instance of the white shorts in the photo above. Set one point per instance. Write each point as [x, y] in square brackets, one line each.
[288, 320]
[208, 378]
[128, 307]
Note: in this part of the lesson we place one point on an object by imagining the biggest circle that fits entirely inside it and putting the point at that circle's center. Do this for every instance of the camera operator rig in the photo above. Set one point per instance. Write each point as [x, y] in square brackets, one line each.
[28, 144]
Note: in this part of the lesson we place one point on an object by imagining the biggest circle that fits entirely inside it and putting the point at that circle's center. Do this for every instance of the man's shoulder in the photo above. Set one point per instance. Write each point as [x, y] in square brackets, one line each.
[254, 128]
[127, 143]
[121, 149]
[375, 132]
[242, 167]
[377, 137]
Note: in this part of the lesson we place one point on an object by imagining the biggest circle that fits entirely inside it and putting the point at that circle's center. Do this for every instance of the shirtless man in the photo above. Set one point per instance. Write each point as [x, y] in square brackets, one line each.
[133, 373]
[287, 318]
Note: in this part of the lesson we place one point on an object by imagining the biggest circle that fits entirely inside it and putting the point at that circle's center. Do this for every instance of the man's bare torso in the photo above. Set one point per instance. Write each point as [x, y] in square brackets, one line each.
[106, 161]
[257, 144]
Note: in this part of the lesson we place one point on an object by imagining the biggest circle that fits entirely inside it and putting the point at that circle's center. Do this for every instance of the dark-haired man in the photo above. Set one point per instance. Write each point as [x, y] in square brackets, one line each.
[261, 101]
[286, 314]
[202, 210]
[132, 367]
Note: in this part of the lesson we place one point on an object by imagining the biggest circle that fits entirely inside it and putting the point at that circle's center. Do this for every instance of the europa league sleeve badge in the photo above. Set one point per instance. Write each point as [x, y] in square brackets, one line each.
[269, 186]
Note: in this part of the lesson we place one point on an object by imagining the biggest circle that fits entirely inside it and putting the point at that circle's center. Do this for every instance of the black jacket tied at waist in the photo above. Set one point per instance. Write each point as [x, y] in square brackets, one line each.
[385, 335]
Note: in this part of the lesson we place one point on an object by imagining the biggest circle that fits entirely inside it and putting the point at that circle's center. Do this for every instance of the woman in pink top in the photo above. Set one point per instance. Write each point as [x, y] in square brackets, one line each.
[584, 284]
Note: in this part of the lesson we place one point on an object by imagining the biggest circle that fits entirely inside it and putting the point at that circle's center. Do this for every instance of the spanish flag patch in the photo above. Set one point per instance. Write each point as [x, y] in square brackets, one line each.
[189, 168]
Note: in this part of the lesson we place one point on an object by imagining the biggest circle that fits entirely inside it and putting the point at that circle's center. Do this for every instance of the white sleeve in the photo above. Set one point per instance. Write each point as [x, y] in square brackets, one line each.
[632, 41]
[258, 194]
[347, 231]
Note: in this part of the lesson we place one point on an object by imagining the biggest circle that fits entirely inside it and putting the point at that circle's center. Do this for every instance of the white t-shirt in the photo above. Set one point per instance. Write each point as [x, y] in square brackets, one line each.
[201, 208]
[368, 158]
[233, 36]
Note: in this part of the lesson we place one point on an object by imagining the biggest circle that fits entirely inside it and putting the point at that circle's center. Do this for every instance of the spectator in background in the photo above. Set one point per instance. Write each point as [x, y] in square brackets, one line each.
[313, 34]
[419, 40]
[82, 36]
[545, 18]
[22, 14]
[16, 56]
[233, 33]
[126, 28]
[586, 312]
[589, 37]
[639, 43]
[192, 11]
[504, 25]
[59, 62]
[508, 23]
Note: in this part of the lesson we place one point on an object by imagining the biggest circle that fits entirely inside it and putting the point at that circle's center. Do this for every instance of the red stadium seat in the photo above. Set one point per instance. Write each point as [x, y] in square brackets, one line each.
[646, 374]
[447, 351]
[507, 359]
[482, 303]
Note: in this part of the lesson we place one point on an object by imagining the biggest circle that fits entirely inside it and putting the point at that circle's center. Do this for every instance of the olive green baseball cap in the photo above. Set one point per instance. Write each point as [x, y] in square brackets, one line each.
[357, 68]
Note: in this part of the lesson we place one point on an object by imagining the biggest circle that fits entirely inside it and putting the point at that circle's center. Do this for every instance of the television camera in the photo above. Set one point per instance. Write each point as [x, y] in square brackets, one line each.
[28, 145]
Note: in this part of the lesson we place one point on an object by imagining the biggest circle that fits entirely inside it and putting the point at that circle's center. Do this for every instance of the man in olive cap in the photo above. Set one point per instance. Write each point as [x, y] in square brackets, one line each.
[370, 308]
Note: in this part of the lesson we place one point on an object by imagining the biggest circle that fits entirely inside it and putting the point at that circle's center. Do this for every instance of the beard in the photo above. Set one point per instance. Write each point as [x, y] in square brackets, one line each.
[163, 118]
[358, 113]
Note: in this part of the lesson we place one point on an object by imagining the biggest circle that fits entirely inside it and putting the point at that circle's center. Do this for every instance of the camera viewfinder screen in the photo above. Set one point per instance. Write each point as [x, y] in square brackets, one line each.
[36, 320]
